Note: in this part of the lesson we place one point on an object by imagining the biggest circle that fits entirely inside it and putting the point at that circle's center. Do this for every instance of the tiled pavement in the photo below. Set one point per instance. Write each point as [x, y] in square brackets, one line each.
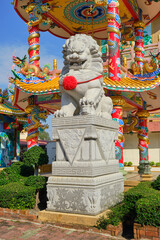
[23, 230]
[136, 177]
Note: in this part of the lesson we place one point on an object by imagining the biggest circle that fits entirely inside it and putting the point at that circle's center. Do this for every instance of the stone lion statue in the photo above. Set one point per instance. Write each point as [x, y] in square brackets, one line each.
[81, 81]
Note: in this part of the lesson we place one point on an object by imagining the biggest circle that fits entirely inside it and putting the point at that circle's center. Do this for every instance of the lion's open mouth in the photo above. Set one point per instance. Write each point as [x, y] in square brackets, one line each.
[77, 64]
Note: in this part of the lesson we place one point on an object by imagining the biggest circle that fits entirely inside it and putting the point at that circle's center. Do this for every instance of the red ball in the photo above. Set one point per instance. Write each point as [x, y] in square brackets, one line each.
[69, 83]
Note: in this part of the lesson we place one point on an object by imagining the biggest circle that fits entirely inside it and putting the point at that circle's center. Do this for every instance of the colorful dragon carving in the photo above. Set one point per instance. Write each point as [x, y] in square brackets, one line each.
[3, 95]
[29, 69]
[131, 124]
[113, 25]
[36, 10]
[127, 34]
[36, 114]
[143, 145]
[147, 67]
[143, 135]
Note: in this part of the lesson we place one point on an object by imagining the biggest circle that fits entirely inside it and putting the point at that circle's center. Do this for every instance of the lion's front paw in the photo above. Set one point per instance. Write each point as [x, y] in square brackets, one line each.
[59, 113]
[86, 106]
[84, 101]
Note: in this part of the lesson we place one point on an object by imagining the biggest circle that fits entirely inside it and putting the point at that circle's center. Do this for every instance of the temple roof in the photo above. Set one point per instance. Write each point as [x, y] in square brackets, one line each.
[131, 85]
[7, 108]
[66, 18]
[126, 84]
[39, 88]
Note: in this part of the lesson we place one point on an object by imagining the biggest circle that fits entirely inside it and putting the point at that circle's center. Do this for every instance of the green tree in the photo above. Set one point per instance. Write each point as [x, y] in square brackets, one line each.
[35, 157]
[44, 136]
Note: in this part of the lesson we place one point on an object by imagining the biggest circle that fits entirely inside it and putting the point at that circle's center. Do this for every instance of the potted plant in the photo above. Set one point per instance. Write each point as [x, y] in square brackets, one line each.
[128, 166]
[155, 166]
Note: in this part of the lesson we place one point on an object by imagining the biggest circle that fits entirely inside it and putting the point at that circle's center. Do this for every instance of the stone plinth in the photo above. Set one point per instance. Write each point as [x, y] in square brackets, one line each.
[85, 176]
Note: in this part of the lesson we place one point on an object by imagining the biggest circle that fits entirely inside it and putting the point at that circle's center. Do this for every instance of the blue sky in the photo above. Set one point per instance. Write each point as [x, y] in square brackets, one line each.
[14, 41]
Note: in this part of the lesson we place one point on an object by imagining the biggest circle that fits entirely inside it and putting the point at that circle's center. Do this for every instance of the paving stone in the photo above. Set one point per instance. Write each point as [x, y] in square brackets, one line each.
[22, 230]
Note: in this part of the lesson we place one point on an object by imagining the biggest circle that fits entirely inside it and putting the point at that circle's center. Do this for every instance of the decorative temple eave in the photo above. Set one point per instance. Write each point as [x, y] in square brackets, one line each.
[7, 108]
[131, 85]
[22, 119]
[126, 84]
[133, 8]
[42, 87]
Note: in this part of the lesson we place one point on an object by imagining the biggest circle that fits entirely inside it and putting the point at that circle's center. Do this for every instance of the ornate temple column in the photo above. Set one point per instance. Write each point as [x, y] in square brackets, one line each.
[139, 43]
[114, 40]
[33, 124]
[117, 113]
[33, 51]
[18, 144]
[143, 142]
[15, 126]
[15, 143]
[34, 46]
[33, 133]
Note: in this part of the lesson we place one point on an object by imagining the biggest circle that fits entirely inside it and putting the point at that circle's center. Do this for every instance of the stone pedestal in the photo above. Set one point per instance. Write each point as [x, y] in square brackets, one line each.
[85, 176]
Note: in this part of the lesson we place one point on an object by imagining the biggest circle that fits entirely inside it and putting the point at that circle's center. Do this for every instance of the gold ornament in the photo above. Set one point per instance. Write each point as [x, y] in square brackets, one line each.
[143, 114]
[34, 48]
[143, 138]
[54, 64]
[139, 24]
[34, 59]
[28, 109]
[101, 2]
[118, 100]
[12, 98]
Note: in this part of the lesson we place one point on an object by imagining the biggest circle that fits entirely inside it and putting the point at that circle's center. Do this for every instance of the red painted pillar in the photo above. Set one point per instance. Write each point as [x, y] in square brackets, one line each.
[33, 51]
[114, 40]
[33, 41]
[15, 143]
[33, 124]
[143, 136]
[15, 126]
[32, 138]
[139, 44]
[117, 115]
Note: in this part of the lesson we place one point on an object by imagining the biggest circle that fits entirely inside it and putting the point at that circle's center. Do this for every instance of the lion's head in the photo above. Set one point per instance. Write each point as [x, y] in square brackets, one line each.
[82, 52]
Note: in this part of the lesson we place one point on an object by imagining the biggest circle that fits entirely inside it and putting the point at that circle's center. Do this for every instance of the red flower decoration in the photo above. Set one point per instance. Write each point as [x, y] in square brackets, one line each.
[69, 83]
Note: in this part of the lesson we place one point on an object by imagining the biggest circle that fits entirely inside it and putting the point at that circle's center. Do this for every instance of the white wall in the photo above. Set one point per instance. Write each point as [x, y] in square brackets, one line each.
[51, 151]
[131, 151]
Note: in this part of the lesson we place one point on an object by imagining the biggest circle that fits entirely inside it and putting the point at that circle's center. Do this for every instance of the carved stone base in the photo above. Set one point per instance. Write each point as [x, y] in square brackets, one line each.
[84, 195]
[86, 178]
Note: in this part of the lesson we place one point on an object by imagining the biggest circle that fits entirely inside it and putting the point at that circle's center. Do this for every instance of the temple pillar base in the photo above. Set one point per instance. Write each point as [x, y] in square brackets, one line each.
[144, 168]
[146, 177]
[85, 176]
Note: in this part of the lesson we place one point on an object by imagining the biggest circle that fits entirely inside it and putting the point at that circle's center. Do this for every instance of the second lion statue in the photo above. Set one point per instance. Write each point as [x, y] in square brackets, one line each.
[81, 80]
